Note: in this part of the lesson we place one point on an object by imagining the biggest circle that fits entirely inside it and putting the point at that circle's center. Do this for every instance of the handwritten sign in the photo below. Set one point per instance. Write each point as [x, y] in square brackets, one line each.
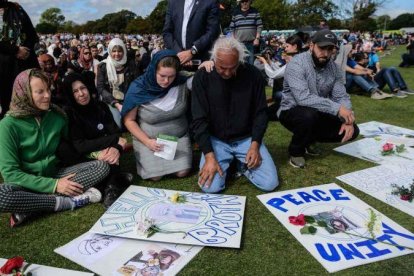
[346, 241]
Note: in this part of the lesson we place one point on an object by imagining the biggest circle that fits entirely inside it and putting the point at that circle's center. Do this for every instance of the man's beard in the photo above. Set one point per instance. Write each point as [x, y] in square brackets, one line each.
[319, 64]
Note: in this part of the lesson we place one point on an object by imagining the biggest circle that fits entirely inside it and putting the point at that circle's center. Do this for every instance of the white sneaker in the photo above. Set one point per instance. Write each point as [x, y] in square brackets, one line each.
[400, 94]
[92, 195]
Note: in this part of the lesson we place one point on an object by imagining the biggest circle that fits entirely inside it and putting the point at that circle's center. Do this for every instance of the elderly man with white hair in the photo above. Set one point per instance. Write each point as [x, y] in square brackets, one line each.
[229, 119]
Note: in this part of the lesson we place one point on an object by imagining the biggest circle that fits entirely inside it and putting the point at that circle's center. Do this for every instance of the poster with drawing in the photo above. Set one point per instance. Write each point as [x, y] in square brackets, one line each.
[44, 270]
[155, 215]
[378, 181]
[106, 255]
[390, 132]
[337, 228]
[370, 149]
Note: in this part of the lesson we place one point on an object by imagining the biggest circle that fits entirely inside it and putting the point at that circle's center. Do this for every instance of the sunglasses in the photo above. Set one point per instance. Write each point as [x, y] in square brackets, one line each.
[87, 53]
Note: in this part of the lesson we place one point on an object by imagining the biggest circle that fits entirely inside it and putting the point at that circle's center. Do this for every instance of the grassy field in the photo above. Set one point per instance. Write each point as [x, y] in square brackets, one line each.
[267, 248]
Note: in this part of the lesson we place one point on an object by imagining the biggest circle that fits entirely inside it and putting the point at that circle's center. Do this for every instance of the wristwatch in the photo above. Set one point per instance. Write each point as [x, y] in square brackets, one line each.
[194, 50]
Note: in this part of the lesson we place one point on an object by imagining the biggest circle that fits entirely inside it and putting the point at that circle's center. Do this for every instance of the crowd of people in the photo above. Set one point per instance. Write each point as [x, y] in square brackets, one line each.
[67, 102]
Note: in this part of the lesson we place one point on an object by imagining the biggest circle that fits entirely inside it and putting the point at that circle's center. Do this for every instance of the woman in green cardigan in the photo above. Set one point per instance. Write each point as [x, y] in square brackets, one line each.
[30, 135]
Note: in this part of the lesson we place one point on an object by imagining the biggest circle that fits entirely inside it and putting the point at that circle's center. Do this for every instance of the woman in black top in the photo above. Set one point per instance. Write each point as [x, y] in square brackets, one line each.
[94, 134]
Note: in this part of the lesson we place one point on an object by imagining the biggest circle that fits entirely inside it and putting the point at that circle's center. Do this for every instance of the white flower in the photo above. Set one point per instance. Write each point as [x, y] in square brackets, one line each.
[143, 227]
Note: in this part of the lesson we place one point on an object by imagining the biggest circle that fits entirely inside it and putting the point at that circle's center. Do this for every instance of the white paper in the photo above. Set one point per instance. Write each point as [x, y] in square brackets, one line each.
[342, 211]
[219, 224]
[369, 149]
[377, 182]
[168, 150]
[43, 270]
[171, 257]
[392, 133]
[168, 212]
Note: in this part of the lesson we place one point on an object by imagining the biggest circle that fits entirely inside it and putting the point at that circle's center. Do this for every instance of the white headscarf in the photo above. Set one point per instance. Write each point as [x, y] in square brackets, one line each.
[112, 64]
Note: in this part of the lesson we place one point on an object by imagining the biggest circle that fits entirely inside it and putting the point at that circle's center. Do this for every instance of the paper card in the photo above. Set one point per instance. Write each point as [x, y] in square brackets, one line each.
[134, 257]
[377, 182]
[219, 223]
[346, 240]
[168, 212]
[169, 146]
[43, 270]
[369, 149]
[392, 133]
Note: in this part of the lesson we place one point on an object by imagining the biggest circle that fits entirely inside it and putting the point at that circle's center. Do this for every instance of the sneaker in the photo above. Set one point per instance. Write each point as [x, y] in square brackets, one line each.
[17, 219]
[400, 94]
[92, 195]
[312, 151]
[297, 162]
[408, 91]
[379, 95]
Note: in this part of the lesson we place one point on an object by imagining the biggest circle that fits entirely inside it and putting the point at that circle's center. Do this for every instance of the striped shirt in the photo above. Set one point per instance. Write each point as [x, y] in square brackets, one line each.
[245, 25]
[307, 85]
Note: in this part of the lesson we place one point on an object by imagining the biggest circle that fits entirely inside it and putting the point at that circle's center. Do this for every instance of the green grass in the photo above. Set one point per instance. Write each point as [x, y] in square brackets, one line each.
[267, 248]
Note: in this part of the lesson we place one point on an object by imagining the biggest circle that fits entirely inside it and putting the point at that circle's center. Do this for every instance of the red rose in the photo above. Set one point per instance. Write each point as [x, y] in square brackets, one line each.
[299, 220]
[387, 147]
[13, 263]
[405, 197]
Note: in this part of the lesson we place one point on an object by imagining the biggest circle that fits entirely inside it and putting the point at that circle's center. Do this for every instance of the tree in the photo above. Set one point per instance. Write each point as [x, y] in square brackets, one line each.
[46, 28]
[274, 13]
[52, 16]
[383, 21]
[311, 12]
[138, 25]
[156, 19]
[401, 21]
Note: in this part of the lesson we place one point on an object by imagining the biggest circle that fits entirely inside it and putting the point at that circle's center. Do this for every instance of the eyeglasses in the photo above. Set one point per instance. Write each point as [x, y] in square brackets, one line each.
[86, 53]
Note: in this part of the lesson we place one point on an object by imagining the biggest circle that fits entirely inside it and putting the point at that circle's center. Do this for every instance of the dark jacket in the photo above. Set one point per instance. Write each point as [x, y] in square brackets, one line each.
[103, 86]
[202, 28]
[92, 130]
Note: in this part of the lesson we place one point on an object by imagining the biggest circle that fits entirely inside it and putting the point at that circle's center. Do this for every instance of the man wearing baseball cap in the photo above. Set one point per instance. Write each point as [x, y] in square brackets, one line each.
[315, 106]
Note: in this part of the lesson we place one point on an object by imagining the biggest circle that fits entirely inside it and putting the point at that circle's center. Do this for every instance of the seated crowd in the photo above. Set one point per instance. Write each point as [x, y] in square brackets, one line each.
[62, 139]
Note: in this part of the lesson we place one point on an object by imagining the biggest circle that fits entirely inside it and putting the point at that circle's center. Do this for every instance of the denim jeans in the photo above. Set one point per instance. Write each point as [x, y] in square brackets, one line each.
[263, 177]
[392, 77]
[250, 48]
[363, 82]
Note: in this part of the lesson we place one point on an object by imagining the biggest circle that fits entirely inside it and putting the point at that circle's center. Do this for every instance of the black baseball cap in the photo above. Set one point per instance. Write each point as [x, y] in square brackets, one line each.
[325, 38]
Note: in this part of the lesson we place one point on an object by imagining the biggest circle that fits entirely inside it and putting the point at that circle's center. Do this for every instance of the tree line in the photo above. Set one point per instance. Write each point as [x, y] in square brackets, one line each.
[276, 14]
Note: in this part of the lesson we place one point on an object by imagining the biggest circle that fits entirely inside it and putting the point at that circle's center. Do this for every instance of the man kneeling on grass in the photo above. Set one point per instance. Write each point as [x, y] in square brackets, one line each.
[315, 105]
[229, 119]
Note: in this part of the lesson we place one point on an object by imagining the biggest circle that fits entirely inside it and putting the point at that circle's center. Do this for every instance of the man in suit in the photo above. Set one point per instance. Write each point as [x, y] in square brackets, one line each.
[191, 27]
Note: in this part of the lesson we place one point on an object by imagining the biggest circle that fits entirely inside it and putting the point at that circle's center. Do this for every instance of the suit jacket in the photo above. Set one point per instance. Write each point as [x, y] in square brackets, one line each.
[202, 28]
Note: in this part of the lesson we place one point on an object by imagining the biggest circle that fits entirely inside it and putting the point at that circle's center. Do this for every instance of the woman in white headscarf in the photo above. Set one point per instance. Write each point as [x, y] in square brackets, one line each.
[114, 75]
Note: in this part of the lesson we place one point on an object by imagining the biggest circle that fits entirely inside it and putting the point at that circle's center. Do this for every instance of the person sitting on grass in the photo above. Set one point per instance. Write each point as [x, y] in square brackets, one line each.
[363, 78]
[94, 133]
[30, 134]
[156, 103]
[315, 105]
[384, 76]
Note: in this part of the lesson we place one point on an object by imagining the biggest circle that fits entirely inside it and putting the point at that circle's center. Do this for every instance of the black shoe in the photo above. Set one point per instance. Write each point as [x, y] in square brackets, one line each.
[17, 219]
[111, 195]
[312, 151]
[126, 177]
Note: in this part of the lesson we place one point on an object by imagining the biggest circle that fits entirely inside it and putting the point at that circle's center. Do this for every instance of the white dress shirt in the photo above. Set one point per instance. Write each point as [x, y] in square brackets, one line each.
[188, 7]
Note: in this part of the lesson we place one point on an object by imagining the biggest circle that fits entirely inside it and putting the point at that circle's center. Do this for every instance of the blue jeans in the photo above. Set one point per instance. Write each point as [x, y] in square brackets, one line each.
[250, 48]
[392, 77]
[263, 177]
[362, 81]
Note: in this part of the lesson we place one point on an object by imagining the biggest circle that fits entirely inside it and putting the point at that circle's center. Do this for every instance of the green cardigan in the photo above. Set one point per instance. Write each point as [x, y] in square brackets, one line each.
[27, 150]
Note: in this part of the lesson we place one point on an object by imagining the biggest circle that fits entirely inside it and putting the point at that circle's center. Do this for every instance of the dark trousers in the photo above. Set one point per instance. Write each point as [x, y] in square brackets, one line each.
[309, 125]
[407, 60]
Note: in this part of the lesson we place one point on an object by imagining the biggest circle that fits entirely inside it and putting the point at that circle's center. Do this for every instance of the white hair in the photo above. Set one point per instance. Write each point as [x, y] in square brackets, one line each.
[229, 44]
